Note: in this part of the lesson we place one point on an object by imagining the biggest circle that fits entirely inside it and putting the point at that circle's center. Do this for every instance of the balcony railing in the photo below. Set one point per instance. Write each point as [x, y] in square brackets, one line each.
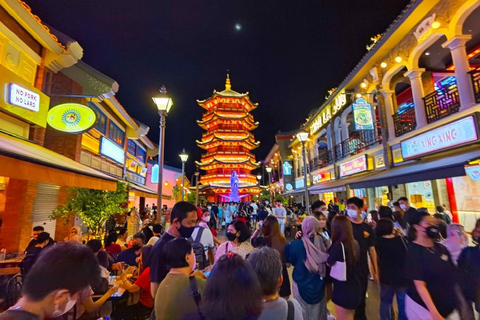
[475, 74]
[358, 142]
[404, 121]
[441, 103]
[322, 161]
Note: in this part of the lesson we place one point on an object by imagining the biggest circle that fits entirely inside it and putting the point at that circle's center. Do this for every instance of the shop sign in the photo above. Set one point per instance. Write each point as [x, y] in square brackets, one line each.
[23, 98]
[71, 118]
[299, 184]
[473, 172]
[131, 165]
[317, 178]
[379, 161]
[339, 102]
[111, 150]
[287, 168]
[362, 115]
[453, 134]
[322, 119]
[353, 166]
[424, 29]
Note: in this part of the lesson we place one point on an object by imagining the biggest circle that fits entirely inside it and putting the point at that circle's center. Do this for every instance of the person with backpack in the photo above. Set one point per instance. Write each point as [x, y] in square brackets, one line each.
[202, 241]
[267, 264]
[182, 288]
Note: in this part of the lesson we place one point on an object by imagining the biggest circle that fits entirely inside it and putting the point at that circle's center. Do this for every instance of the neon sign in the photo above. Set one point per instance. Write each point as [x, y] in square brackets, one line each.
[23, 98]
[353, 166]
[71, 118]
[453, 134]
[287, 169]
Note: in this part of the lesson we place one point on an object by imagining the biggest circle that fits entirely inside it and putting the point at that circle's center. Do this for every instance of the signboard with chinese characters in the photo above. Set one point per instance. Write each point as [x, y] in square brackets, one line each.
[353, 166]
[71, 118]
[424, 29]
[112, 151]
[454, 134]
[362, 115]
[23, 98]
[287, 168]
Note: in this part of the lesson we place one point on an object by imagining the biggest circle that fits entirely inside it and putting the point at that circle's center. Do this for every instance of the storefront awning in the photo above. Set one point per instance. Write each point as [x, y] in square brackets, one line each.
[20, 159]
[447, 167]
[143, 191]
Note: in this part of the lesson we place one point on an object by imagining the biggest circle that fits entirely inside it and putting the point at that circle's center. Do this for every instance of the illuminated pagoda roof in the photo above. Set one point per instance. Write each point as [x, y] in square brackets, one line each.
[247, 161]
[229, 93]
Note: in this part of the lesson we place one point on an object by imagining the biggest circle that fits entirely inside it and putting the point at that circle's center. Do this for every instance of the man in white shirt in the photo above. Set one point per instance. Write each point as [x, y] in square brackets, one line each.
[280, 213]
[207, 238]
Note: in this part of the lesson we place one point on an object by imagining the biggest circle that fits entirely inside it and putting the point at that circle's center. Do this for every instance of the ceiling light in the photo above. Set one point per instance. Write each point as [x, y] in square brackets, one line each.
[427, 53]
[359, 95]
[436, 25]
[398, 59]
[383, 64]
[363, 85]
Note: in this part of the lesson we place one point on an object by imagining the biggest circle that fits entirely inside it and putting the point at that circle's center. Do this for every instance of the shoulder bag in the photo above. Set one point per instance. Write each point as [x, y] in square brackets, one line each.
[339, 270]
[196, 295]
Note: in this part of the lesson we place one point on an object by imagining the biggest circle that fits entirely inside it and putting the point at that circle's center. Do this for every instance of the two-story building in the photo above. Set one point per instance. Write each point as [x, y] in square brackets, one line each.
[404, 121]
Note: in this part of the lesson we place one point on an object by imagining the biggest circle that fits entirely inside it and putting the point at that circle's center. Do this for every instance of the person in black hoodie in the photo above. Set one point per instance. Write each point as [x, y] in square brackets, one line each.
[391, 253]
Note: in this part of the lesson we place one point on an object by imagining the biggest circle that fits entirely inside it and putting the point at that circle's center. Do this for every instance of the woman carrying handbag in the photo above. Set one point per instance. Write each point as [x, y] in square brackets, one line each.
[343, 255]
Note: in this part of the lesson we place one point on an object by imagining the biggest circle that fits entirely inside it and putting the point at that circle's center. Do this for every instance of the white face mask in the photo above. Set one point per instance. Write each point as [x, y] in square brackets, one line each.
[403, 206]
[352, 213]
[206, 219]
[70, 303]
[325, 213]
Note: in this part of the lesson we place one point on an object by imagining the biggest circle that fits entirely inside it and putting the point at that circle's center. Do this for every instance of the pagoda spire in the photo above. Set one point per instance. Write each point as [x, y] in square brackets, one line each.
[228, 85]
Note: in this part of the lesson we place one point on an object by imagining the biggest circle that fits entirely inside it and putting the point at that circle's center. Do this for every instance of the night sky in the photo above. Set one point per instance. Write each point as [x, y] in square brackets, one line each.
[287, 54]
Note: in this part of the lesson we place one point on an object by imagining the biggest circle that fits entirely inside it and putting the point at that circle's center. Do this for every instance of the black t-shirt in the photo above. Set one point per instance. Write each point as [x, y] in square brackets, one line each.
[391, 253]
[410, 215]
[34, 242]
[434, 266]
[469, 266]
[365, 237]
[158, 265]
[18, 315]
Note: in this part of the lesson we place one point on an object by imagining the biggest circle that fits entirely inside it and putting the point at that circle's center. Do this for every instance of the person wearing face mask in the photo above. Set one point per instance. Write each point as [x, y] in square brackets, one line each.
[203, 234]
[182, 224]
[430, 268]
[364, 235]
[409, 213]
[456, 241]
[55, 282]
[176, 300]
[469, 265]
[237, 235]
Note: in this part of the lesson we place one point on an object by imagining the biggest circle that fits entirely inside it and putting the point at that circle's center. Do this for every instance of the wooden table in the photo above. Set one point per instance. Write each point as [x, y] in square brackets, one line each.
[10, 266]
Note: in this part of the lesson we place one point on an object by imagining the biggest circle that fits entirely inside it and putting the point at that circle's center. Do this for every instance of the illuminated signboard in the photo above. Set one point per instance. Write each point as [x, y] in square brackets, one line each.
[71, 118]
[299, 184]
[473, 172]
[289, 187]
[317, 178]
[457, 133]
[23, 98]
[322, 119]
[362, 115]
[353, 166]
[287, 169]
[339, 102]
[111, 150]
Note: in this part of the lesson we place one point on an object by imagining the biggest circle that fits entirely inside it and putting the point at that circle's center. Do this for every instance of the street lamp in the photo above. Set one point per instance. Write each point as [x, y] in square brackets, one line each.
[302, 136]
[269, 171]
[164, 103]
[259, 177]
[184, 157]
[197, 175]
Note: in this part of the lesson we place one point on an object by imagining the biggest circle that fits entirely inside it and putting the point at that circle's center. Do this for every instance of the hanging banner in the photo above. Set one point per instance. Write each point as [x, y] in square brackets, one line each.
[71, 118]
[362, 115]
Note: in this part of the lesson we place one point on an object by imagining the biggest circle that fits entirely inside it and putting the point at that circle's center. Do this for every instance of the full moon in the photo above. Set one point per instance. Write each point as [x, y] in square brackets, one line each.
[238, 27]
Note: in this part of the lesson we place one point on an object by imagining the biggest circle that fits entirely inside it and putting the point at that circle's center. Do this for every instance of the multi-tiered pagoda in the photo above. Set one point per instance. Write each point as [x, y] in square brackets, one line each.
[228, 142]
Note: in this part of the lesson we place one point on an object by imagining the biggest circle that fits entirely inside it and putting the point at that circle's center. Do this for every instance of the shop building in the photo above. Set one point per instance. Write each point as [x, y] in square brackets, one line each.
[404, 121]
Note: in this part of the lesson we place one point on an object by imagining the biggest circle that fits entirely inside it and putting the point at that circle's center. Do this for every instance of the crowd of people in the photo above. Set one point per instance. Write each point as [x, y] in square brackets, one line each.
[424, 261]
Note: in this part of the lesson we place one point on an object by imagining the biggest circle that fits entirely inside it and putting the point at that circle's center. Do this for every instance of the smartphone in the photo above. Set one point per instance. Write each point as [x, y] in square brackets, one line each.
[369, 218]
[207, 273]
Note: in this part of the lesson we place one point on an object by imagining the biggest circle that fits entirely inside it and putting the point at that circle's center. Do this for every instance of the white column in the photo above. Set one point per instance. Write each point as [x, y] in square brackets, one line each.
[462, 67]
[389, 111]
[415, 76]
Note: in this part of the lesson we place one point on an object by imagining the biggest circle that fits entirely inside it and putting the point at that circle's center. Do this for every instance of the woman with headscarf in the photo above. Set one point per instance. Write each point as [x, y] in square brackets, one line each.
[75, 235]
[308, 257]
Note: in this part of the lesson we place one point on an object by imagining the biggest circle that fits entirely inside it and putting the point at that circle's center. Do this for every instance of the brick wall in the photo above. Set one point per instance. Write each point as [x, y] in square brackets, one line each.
[37, 135]
[69, 145]
[17, 217]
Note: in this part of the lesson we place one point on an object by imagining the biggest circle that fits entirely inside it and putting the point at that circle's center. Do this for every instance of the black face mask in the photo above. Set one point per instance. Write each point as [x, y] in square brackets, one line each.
[432, 232]
[476, 240]
[185, 232]
[231, 236]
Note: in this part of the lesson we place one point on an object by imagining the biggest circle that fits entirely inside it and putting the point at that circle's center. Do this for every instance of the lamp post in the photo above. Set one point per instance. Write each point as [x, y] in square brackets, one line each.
[184, 157]
[269, 171]
[259, 177]
[164, 103]
[197, 175]
[302, 136]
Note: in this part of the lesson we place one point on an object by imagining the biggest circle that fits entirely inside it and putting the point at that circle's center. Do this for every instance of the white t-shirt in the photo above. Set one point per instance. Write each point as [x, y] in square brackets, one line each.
[280, 211]
[255, 207]
[206, 239]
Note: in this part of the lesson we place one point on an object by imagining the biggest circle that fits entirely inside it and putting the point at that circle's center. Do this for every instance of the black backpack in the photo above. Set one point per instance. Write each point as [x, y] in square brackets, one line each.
[199, 250]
